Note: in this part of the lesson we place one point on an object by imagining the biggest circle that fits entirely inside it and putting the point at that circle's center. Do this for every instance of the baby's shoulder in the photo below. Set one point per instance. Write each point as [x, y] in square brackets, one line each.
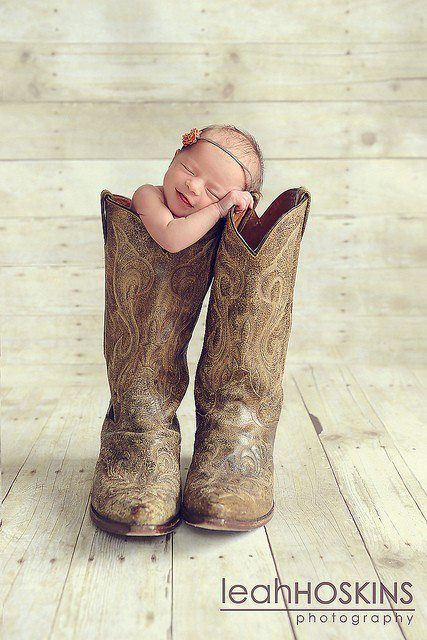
[146, 194]
[150, 189]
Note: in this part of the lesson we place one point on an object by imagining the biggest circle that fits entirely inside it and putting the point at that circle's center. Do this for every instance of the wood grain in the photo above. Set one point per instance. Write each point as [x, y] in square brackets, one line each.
[134, 72]
[70, 130]
[221, 22]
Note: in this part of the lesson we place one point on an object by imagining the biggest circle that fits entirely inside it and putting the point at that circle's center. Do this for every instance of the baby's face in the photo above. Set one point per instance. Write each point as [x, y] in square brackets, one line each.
[201, 174]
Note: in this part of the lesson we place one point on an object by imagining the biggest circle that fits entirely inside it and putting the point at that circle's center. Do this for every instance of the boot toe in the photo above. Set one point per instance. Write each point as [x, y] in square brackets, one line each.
[133, 509]
[231, 506]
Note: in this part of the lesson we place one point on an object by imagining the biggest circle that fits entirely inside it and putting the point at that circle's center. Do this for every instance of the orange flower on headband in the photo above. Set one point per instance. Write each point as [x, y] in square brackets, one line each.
[191, 137]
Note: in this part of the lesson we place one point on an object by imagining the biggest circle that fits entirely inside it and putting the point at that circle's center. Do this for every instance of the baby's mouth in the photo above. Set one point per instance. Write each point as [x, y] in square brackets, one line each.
[183, 199]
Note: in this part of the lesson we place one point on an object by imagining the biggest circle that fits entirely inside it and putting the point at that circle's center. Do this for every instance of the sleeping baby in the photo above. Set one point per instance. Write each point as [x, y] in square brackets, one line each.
[217, 167]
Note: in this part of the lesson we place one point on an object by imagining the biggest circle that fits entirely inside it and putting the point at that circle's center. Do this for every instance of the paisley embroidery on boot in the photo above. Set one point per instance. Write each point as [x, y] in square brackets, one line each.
[245, 460]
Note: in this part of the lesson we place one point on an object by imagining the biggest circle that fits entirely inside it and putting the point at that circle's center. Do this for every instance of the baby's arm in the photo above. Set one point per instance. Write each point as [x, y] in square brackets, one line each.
[173, 234]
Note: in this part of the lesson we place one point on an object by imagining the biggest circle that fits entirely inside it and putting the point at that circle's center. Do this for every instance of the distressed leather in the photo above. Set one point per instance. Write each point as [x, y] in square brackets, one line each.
[238, 385]
[152, 301]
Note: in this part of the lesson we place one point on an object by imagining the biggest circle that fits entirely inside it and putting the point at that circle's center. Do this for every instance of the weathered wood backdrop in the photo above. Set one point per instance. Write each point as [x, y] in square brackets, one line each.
[96, 95]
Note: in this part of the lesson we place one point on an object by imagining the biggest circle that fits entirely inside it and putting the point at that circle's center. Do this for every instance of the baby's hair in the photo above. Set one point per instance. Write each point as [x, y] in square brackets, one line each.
[239, 140]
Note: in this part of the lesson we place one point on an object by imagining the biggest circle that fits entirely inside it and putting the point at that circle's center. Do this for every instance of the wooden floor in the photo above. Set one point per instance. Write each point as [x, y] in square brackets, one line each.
[350, 505]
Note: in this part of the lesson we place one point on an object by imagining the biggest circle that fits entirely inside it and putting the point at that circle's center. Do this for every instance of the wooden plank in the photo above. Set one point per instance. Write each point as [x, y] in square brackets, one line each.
[5, 392]
[114, 583]
[83, 375]
[69, 574]
[201, 560]
[70, 130]
[420, 374]
[71, 341]
[312, 535]
[352, 292]
[25, 413]
[385, 503]
[169, 22]
[330, 242]
[398, 400]
[368, 187]
[42, 516]
[59, 71]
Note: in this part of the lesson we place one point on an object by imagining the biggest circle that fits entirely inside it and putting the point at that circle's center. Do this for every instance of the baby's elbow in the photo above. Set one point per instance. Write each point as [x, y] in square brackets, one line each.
[173, 248]
[169, 245]
[172, 244]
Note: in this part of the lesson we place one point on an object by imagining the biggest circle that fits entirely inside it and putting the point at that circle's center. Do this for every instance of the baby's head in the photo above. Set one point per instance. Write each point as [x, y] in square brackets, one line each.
[204, 173]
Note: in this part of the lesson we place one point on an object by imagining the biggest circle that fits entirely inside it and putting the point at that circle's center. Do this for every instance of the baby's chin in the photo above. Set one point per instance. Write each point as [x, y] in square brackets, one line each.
[176, 211]
[178, 214]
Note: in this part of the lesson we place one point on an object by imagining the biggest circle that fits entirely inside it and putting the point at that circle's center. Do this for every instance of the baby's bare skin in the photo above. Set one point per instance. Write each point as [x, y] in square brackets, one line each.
[200, 186]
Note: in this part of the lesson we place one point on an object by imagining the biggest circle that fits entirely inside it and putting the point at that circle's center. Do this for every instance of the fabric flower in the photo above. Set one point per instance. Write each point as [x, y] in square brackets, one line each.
[191, 137]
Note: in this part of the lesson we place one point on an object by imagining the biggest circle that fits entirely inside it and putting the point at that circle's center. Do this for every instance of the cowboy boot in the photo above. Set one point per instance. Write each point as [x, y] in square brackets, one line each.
[153, 299]
[238, 385]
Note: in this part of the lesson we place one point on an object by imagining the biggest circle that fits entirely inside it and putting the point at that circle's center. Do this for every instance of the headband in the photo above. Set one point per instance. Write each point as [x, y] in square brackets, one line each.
[195, 134]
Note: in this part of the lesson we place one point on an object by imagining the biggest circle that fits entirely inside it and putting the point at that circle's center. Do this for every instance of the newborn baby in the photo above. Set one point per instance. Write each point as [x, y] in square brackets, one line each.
[217, 168]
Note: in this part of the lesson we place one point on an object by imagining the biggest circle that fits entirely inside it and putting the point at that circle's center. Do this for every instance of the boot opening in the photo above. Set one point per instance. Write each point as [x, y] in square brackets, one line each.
[253, 229]
[123, 201]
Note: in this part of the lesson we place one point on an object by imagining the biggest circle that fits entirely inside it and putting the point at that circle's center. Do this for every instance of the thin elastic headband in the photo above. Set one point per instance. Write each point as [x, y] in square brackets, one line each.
[195, 134]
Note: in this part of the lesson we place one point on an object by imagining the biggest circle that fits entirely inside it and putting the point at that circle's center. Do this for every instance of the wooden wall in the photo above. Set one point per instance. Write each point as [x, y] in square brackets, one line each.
[97, 95]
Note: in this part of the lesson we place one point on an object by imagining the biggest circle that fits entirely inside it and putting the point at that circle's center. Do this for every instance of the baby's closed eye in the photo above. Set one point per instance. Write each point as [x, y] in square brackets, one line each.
[209, 192]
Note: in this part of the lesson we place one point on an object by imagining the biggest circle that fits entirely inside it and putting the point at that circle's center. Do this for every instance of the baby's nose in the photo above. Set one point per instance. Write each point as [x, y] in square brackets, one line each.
[194, 186]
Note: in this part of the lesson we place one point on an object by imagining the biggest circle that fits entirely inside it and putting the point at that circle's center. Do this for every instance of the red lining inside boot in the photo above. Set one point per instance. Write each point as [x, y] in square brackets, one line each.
[253, 229]
[123, 201]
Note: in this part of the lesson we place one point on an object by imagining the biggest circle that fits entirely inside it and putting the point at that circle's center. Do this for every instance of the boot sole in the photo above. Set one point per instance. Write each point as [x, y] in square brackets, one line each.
[222, 524]
[134, 530]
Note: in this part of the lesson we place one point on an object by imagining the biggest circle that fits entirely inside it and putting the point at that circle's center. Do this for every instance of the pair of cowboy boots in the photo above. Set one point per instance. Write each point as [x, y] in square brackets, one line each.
[153, 299]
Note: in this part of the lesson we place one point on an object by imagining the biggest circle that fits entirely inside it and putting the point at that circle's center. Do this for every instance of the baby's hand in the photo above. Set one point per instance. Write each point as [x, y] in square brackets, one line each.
[241, 199]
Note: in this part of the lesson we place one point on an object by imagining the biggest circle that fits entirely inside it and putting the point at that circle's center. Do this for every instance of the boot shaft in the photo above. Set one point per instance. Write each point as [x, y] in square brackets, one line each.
[153, 299]
[239, 376]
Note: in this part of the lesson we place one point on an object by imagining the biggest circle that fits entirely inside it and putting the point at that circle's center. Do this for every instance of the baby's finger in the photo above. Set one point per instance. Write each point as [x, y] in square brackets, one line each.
[250, 199]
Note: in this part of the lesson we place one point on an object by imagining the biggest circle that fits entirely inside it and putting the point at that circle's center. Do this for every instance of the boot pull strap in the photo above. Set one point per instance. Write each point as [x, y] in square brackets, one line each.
[104, 195]
[302, 191]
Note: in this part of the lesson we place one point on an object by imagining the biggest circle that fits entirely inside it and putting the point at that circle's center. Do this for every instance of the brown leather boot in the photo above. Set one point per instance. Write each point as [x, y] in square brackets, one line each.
[238, 386]
[152, 301]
